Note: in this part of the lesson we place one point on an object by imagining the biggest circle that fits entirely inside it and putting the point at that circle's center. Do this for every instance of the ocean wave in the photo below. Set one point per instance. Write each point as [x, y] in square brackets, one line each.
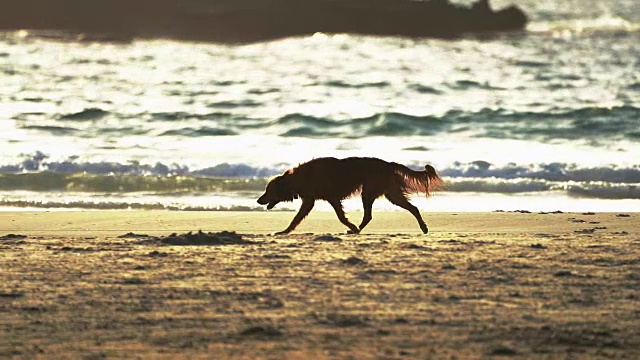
[235, 104]
[470, 85]
[556, 171]
[85, 115]
[559, 172]
[37, 173]
[532, 63]
[603, 24]
[53, 130]
[356, 85]
[181, 115]
[47, 181]
[238, 170]
[494, 185]
[384, 124]
[588, 189]
[425, 89]
[39, 162]
[198, 183]
[609, 123]
[197, 132]
[605, 191]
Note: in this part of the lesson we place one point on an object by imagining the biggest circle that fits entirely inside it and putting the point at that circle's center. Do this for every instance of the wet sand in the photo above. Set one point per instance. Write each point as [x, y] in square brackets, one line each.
[480, 285]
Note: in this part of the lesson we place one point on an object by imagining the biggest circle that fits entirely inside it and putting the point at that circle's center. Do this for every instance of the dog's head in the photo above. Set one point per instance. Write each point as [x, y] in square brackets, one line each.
[278, 189]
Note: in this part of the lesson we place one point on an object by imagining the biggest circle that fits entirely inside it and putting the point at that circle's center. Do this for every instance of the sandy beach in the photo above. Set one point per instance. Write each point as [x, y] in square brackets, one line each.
[148, 284]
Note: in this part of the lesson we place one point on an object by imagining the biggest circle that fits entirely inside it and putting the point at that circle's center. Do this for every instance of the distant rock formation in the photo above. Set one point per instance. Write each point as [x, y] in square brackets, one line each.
[239, 21]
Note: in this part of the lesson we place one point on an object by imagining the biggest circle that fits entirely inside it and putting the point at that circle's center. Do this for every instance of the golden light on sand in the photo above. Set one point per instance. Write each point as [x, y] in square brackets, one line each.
[513, 283]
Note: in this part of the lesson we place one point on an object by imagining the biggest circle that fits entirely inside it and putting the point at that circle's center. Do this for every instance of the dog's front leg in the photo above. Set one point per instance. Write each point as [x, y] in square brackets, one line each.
[307, 205]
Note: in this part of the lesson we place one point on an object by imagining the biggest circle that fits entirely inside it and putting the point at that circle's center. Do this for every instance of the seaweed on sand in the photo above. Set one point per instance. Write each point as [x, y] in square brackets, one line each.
[202, 238]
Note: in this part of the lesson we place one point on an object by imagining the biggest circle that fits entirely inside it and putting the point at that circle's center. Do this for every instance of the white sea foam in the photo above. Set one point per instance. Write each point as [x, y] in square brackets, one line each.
[568, 28]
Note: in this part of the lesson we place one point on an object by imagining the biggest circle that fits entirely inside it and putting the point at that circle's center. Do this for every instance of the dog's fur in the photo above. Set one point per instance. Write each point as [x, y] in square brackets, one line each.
[334, 179]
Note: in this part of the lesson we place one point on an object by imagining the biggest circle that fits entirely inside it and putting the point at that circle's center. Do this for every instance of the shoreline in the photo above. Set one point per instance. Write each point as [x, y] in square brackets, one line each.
[113, 222]
[441, 202]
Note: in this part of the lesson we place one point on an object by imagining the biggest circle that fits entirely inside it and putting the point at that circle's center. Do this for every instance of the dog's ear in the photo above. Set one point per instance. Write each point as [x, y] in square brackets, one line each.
[285, 187]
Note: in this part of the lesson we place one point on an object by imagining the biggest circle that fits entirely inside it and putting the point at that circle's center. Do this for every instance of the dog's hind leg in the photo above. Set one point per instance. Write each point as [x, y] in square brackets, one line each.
[337, 206]
[400, 199]
[306, 207]
[367, 203]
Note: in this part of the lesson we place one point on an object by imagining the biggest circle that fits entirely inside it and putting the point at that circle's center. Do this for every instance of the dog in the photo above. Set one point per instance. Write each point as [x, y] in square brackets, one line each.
[334, 180]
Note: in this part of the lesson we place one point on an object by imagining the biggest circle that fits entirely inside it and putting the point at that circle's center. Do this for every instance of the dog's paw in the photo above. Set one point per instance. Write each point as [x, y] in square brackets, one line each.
[280, 233]
[352, 231]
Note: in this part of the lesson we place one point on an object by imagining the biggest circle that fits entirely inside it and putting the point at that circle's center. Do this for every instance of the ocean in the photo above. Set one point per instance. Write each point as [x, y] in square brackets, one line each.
[541, 120]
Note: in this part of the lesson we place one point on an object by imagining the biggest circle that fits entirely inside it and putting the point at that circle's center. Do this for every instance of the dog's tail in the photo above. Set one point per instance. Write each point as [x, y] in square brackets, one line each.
[424, 181]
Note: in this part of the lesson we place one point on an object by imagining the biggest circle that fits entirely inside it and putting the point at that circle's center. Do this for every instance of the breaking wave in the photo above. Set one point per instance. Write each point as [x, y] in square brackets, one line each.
[602, 24]
[36, 173]
[558, 172]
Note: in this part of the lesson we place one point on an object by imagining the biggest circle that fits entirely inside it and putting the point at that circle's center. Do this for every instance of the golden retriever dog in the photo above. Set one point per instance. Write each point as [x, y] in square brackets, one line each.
[334, 180]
